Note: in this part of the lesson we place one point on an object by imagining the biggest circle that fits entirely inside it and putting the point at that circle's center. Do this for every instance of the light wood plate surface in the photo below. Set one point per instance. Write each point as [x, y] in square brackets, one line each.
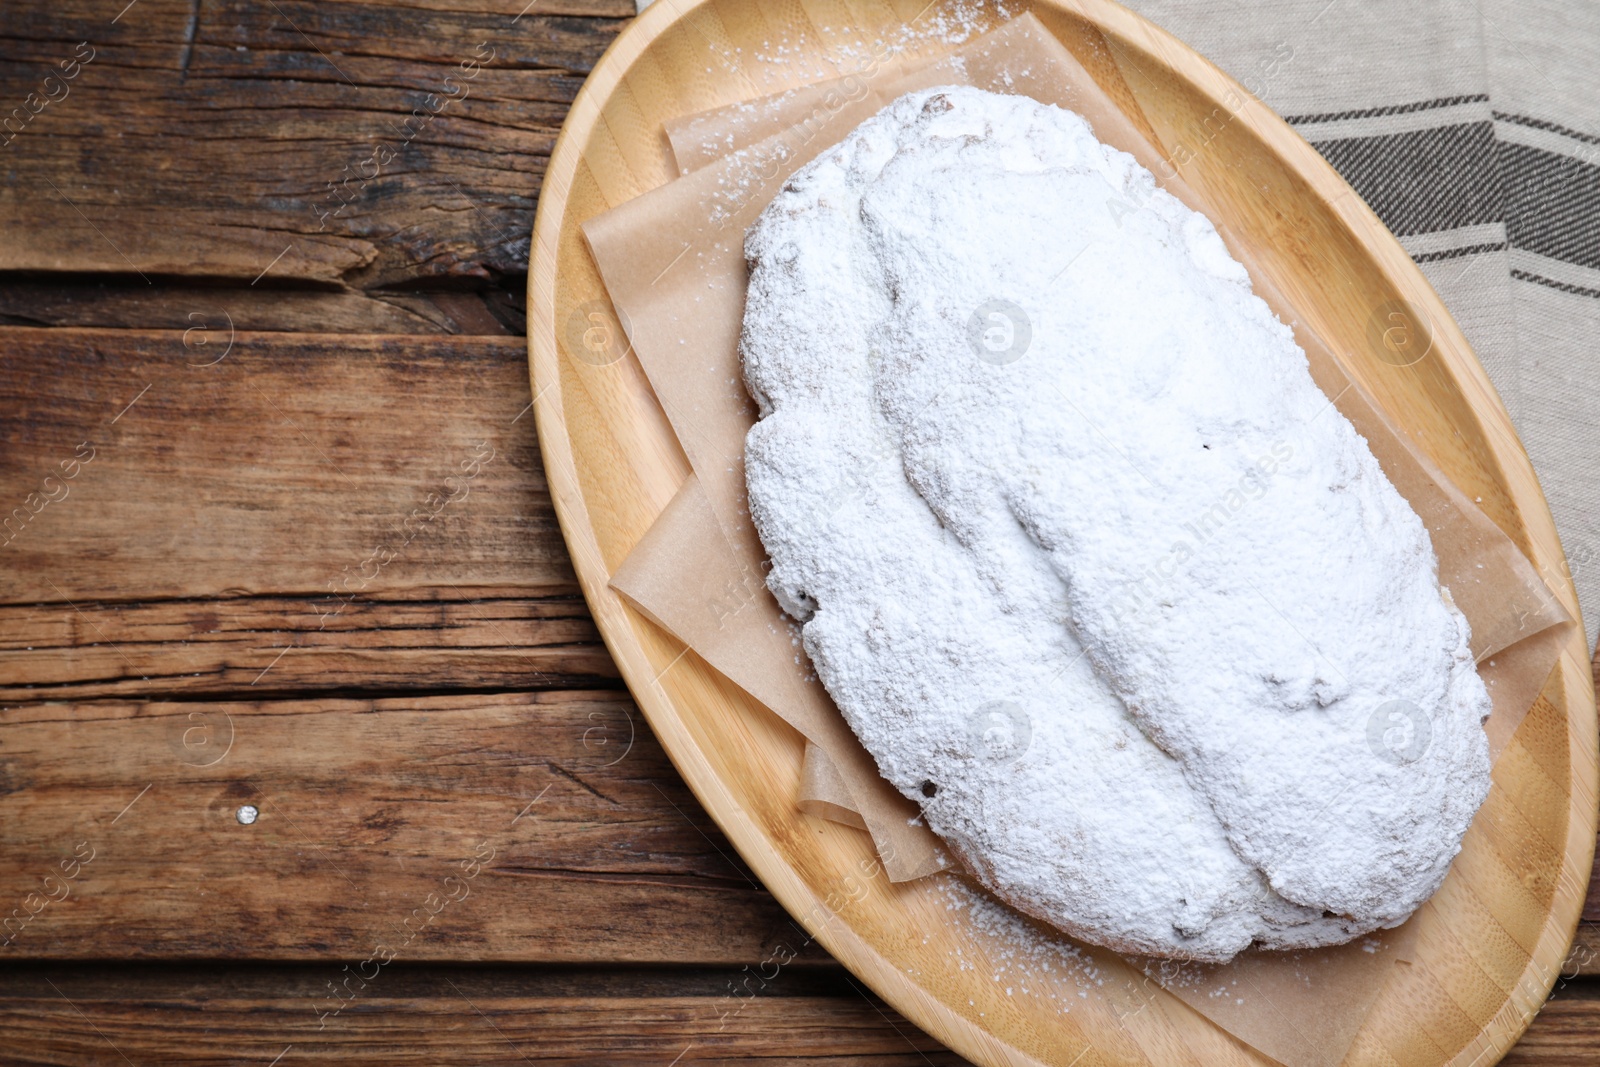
[1492, 940]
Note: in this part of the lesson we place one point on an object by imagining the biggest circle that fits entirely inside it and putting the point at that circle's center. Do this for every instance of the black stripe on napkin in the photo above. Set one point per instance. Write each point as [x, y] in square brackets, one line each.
[1390, 109]
[1524, 276]
[1450, 177]
[1457, 253]
[1554, 204]
[1549, 127]
[1424, 181]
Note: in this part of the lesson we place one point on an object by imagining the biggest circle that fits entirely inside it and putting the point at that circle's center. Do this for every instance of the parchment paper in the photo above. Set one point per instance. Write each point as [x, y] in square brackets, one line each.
[707, 136]
[710, 593]
[673, 263]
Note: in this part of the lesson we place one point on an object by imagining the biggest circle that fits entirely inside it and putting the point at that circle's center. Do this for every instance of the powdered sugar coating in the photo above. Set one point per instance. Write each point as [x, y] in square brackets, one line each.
[1123, 738]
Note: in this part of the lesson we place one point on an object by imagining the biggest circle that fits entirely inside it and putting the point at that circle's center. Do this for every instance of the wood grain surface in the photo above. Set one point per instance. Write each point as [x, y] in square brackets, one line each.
[390, 726]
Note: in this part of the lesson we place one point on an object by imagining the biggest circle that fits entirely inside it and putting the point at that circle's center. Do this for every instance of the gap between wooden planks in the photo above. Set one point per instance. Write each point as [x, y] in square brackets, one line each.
[261, 646]
[554, 1017]
[489, 1016]
[120, 303]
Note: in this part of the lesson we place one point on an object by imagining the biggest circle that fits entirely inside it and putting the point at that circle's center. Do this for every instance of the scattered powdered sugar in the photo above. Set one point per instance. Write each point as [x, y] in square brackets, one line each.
[1009, 433]
[1022, 958]
[806, 60]
[830, 51]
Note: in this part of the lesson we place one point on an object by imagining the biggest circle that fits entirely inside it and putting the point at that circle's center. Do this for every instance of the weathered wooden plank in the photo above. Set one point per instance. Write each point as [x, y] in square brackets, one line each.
[542, 827]
[419, 979]
[266, 645]
[1584, 957]
[814, 1016]
[142, 465]
[176, 512]
[346, 143]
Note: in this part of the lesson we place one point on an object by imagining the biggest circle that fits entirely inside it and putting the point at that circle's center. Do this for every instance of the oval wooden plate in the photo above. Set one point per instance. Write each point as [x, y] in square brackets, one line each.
[1491, 941]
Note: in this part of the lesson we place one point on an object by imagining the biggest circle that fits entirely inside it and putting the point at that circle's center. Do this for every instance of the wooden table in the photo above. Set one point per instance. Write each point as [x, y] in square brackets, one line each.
[308, 747]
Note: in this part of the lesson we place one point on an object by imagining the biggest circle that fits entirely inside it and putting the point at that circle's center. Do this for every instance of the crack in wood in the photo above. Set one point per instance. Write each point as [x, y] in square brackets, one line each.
[556, 768]
[189, 33]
